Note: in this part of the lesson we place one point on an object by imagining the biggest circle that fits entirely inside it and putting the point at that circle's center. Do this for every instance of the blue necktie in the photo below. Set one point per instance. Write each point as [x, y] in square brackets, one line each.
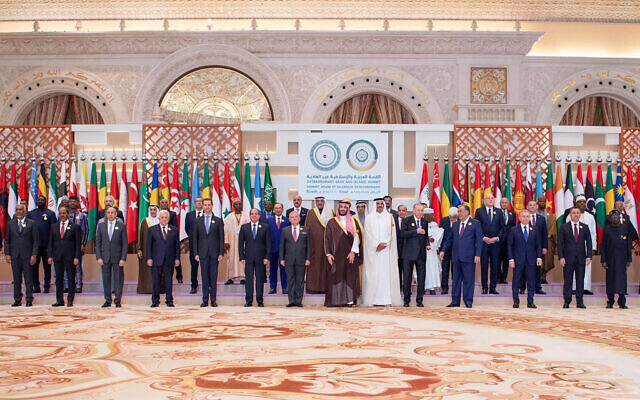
[526, 234]
[207, 222]
[254, 231]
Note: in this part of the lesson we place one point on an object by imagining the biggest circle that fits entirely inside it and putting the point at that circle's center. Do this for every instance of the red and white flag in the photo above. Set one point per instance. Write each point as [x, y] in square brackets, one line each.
[132, 208]
[435, 198]
[174, 202]
[73, 185]
[423, 196]
[497, 191]
[124, 193]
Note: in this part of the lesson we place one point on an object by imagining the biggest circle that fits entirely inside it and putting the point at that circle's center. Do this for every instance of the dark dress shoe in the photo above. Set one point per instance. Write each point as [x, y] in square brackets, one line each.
[193, 290]
[573, 292]
[29, 303]
[154, 305]
[609, 305]
[405, 305]
[65, 290]
[624, 307]
[468, 305]
[485, 291]
[203, 304]
[36, 289]
[453, 305]
[16, 304]
[214, 304]
[419, 304]
[260, 304]
[445, 292]
[242, 281]
[46, 290]
[291, 305]
[543, 281]
[180, 280]
[170, 304]
[229, 282]
[248, 304]
[69, 303]
[272, 291]
[565, 305]
[589, 292]
[540, 291]
[118, 305]
[516, 305]
[298, 304]
[581, 306]
[521, 291]
[531, 305]
[493, 291]
[106, 304]
[58, 304]
[285, 291]
[432, 292]
[79, 290]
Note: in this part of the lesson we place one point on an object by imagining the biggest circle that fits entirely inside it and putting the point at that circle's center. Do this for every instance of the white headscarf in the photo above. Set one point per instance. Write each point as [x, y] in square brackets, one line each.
[153, 220]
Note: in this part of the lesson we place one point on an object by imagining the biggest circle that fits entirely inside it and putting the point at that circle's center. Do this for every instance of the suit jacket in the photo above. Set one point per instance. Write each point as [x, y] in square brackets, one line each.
[211, 244]
[173, 218]
[524, 252]
[468, 246]
[633, 234]
[114, 250]
[66, 248]
[118, 215]
[44, 219]
[511, 220]
[415, 244]
[257, 249]
[162, 251]
[399, 239]
[190, 224]
[445, 223]
[294, 253]
[491, 227]
[21, 244]
[276, 233]
[541, 228]
[303, 214]
[264, 217]
[569, 248]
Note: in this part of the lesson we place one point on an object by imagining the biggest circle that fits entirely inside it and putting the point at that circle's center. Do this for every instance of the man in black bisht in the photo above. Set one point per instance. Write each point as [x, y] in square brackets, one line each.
[616, 257]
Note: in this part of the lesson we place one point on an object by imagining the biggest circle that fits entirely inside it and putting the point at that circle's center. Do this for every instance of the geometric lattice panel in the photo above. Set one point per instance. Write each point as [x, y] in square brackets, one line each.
[629, 144]
[498, 142]
[46, 141]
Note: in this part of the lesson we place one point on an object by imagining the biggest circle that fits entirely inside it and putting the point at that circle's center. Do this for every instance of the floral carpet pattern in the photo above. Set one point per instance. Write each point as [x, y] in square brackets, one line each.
[315, 353]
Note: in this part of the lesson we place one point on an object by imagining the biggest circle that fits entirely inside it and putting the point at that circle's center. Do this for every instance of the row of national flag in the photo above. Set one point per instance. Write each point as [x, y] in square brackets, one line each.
[601, 194]
[132, 197]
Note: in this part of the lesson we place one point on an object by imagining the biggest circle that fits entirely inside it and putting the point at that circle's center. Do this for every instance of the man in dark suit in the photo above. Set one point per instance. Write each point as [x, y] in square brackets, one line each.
[277, 225]
[111, 254]
[414, 253]
[539, 222]
[402, 214]
[465, 244]
[189, 227]
[254, 246]
[388, 203]
[44, 219]
[525, 256]
[163, 254]
[508, 222]
[294, 255]
[268, 213]
[574, 252]
[491, 224]
[208, 247]
[109, 201]
[20, 249]
[173, 221]
[446, 223]
[297, 207]
[64, 252]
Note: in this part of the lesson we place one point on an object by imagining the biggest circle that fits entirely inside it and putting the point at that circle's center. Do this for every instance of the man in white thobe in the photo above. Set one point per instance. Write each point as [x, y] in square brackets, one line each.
[380, 278]
[586, 218]
[434, 267]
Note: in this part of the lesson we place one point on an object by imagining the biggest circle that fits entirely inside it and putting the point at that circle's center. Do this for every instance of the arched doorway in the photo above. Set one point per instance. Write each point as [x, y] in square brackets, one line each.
[596, 110]
[371, 108]
[61, 109]
[215, 95]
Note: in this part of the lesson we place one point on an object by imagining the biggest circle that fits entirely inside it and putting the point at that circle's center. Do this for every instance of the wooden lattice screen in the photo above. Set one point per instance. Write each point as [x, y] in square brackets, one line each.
[502, 141]
[164, 140]
[39, 142]
[629, 144]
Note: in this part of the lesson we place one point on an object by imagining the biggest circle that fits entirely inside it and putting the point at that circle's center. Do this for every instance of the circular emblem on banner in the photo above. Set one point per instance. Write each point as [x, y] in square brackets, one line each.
[362, 155]
[325, 155]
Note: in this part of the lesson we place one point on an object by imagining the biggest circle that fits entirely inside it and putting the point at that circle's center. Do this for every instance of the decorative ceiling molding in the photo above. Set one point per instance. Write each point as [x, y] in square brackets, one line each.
[273, 42]
[530, 10]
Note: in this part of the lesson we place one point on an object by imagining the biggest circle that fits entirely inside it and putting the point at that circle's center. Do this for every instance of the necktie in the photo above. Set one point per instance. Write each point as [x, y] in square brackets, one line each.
[61, 229]
[19, 226]
[110, 230]
[164, 232]
[533, 219]
[418, 222]
[254, 231]
[525, 231]
[489, 211]
[278, 222]
[207, 222]
[575, 232]
[506, 217]
[462, 224]
[295, 234]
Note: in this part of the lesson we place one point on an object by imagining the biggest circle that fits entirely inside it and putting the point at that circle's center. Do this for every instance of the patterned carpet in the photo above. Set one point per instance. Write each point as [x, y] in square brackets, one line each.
[315, 353]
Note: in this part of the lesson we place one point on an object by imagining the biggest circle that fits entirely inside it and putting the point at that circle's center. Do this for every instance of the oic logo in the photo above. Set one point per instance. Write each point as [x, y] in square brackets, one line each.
[362, 155]
[325, 155]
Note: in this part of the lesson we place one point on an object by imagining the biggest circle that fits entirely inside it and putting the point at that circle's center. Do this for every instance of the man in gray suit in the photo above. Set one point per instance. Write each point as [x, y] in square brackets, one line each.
[295, 256]
[111, 253]
[20, 249]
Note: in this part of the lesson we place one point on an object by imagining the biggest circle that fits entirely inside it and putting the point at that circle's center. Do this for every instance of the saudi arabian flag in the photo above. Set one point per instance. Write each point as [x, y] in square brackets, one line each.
[445, 192]
[206, 187]
[268, 194]
[143, 202]
[247, 198]
[93, 202]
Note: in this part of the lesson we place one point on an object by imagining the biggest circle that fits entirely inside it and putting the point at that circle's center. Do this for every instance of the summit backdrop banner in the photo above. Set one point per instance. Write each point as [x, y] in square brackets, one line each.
[339, 164]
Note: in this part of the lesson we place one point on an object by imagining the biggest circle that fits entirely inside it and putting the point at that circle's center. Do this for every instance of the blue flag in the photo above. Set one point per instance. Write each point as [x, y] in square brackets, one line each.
[195, 186]
[619, 189]
[539, 188]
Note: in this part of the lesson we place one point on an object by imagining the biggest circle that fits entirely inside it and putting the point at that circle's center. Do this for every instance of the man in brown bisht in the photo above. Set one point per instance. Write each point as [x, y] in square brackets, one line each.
[316, 221]
[344, 251]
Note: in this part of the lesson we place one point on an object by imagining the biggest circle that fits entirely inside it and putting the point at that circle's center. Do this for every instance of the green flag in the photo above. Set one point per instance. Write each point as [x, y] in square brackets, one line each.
[184, 201]
[600, 204]
[52, 199]
[609, 197]
[507, 187]
[445, 201]
[247, 198]
[143, 211]
[268, 186]
[93, 202]
[206, 188]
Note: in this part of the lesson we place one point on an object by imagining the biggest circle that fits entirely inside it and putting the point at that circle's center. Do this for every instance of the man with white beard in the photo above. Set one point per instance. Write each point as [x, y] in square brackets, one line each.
[433, 267]
[380, 277]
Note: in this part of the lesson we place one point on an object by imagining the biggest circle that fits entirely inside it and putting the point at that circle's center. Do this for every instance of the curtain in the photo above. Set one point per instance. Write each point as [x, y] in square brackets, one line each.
[389, 111]
[599, 110]
[50, 111]
[84, 112]
[356, 110]
[371, 109]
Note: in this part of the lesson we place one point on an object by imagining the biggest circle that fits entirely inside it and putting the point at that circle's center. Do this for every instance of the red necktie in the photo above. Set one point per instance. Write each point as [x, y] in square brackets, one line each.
[61, 229]
[278, 219]
[164, 232]
[295, 234]
[462, 229]
[575, 232]
[533, 221]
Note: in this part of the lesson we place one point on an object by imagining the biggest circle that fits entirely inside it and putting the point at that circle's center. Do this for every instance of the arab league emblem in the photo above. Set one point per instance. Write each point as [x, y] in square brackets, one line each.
[362, 155]
[325, 155]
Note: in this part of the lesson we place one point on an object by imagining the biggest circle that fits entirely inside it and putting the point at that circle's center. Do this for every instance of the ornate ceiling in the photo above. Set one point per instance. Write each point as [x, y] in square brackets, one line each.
[627, 11]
